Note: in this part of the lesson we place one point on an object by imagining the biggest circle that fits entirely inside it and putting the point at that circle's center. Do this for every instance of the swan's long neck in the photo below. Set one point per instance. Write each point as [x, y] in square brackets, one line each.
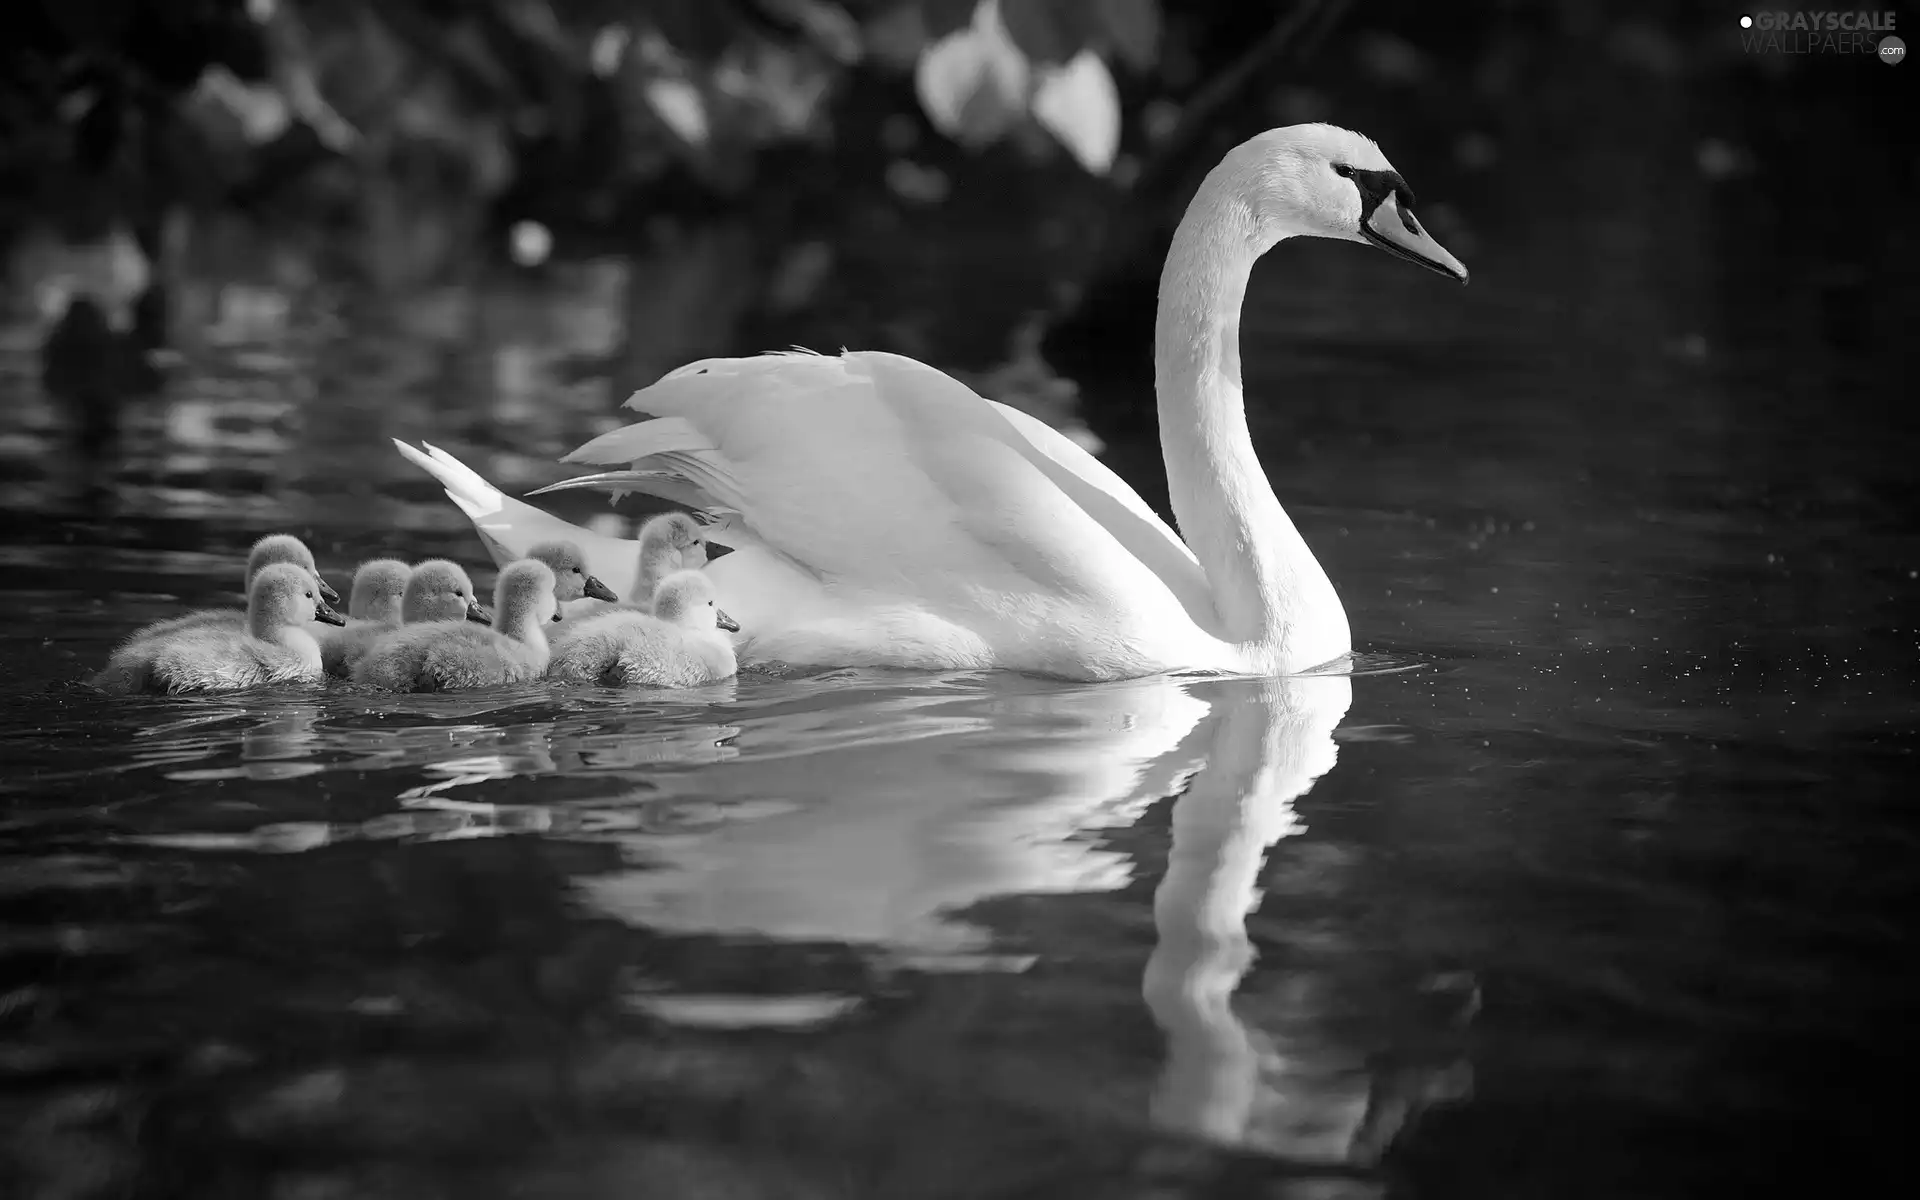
[1271, 593]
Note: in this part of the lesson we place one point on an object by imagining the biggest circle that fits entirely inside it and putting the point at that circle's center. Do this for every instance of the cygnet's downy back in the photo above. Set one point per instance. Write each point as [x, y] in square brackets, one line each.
[274, 647]
[682, 644]
[443, 656]
[275, 548]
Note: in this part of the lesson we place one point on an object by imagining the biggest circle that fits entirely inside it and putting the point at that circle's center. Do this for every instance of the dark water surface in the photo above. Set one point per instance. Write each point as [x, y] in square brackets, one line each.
[1604, 900]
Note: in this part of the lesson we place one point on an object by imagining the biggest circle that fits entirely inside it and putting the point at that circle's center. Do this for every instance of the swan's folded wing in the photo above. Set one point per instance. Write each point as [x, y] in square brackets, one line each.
[879, 470]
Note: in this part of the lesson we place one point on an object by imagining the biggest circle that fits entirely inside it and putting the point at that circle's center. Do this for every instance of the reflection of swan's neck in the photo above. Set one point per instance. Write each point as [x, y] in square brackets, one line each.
[1269, 590]
[1267, 751]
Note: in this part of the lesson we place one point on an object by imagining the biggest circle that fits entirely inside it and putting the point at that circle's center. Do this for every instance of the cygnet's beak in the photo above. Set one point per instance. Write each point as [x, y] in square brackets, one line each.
[598, 591]
[325, 615]
[478, 615]
[1393, 229]
[725, 622]
[716, 550]
[326, 590]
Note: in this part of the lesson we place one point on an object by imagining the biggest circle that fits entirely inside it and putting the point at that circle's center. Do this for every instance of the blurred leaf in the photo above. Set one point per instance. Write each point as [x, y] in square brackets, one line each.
[973, 83]
[1079, 104]
[942, 17]
[258, 110]
[1050, 31]
[1133, 28]
[678, 103]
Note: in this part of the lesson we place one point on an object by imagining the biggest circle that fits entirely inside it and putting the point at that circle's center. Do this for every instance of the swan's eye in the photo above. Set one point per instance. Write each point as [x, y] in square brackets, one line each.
[1343, 170]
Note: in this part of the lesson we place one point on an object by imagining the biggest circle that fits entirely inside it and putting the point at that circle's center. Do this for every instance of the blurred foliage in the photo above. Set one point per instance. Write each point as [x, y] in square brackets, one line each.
[920, 174]
[117, 109]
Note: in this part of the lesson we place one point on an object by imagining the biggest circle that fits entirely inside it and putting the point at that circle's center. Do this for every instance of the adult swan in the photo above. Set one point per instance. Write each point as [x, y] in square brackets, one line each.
[882, 514]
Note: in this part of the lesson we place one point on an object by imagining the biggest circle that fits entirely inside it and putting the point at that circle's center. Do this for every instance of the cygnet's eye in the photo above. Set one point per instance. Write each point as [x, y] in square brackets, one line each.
[709, 604]
[309, 595]
[576, 570]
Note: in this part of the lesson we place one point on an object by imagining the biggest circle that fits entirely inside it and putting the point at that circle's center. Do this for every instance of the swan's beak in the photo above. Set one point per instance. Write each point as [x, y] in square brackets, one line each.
[478, 615]
[725, 622]
[598, 591]
[326, 616]
[326, 590]
[1394, 230]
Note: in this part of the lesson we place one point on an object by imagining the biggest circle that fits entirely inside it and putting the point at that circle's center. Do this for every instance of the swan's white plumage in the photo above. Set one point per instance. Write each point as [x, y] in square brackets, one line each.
[877, 493]
[883, 514]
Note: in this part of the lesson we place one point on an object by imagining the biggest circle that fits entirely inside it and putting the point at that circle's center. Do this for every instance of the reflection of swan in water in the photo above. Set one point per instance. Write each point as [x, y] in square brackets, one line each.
[1269, 744]
[1292, 1090]
[994, 792]
[933, 799]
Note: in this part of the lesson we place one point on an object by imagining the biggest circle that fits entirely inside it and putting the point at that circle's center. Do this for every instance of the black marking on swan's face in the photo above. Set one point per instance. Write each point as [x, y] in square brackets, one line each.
[1376, 188]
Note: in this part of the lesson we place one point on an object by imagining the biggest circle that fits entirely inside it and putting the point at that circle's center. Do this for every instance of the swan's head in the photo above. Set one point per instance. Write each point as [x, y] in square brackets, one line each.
[686, 598]
[525, 594]
[675, 533]
[379, 590]
[285, 548]
[1324, 181]
[569, 568]
[286, 594]
[440, 591]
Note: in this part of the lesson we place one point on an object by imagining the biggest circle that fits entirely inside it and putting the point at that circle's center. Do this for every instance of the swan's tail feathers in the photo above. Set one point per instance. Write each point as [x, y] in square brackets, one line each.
[476, 497]
[508, 528]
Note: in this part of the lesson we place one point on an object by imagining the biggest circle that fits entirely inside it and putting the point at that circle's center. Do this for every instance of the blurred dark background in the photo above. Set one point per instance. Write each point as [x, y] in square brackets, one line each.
[729, 175]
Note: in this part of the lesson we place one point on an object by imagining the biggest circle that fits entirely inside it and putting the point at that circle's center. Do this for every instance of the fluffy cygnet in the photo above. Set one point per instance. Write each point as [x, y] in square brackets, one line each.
[274, 548]
[433, 590]
[373, 608]
[683, 643]
[275, 646]
[669, 542]
[445, 655]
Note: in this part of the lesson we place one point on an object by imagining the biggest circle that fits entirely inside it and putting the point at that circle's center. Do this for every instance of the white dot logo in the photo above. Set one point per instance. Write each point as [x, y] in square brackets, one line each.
[1746, 22]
